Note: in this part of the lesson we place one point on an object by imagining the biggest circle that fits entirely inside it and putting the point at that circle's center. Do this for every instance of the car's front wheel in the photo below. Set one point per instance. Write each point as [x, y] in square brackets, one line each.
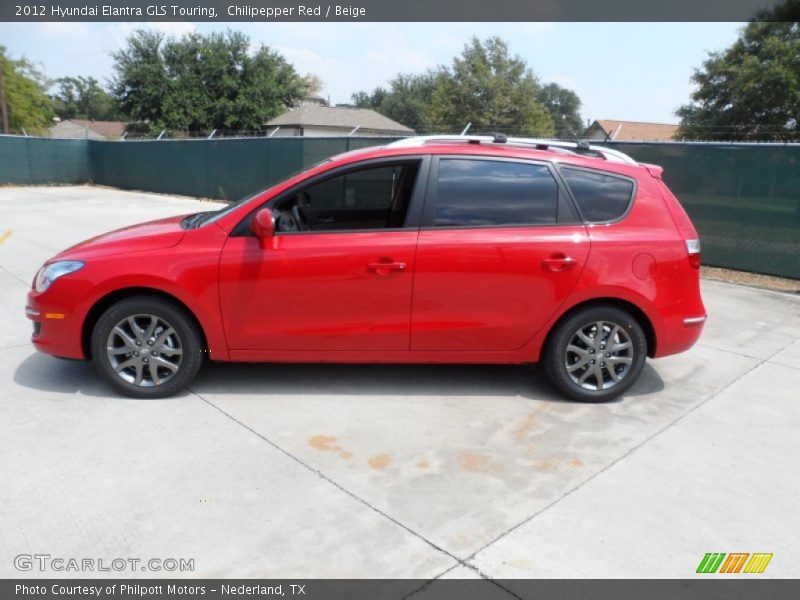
[146, 347]
[596, 354]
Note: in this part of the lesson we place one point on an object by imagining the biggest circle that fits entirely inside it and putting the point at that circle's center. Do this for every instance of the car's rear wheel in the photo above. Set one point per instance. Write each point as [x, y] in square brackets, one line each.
[146, 347]
[596, 354]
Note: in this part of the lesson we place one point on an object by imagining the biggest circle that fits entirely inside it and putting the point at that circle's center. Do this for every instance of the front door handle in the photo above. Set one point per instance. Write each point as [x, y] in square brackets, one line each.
[384, 266]
[559, 262]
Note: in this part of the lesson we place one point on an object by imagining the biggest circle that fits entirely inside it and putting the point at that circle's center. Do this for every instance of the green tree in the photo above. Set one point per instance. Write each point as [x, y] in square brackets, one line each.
[485, 86]
[491, 89]
[203, 82]
[564, 108]
[751, 91]
[23, 102]
[407, 100]
[83, 98]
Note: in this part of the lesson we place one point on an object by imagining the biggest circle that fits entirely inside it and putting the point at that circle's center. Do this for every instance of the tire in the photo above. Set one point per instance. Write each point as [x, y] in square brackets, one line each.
[617, 363]
[165, 361]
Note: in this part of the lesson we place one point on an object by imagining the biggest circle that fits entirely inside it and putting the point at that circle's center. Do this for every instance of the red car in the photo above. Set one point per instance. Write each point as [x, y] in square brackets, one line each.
[473, 249]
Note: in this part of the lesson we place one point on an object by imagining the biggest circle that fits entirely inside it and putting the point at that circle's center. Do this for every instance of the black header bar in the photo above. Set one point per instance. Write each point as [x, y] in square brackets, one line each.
[266, 11]
[713, 587]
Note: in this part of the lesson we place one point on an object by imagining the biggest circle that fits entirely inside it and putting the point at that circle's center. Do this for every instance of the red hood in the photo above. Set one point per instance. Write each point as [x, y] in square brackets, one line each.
[152, 235]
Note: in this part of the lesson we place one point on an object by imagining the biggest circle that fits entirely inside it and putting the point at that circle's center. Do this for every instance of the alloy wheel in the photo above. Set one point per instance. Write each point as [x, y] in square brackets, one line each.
[599, 355]
[144, 350]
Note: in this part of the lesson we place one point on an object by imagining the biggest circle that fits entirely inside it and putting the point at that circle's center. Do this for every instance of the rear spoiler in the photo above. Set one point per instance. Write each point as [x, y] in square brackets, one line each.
[656, 171]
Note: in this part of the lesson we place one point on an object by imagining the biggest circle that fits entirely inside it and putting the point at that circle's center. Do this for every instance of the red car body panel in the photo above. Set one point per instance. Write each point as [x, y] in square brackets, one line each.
[493, 267]
[352, 307]
[464, 295]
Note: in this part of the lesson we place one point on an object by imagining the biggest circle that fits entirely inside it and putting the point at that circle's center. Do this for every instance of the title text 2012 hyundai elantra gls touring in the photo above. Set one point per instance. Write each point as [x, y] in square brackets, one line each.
[474, 249]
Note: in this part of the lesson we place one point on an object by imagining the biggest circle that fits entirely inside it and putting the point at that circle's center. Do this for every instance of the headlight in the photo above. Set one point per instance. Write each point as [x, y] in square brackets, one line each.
[49, 273]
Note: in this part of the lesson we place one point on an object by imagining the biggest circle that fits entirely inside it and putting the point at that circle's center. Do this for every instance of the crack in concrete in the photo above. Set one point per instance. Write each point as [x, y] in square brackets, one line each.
[465, 562]
[763, 360]
[624, 456]
[336, 484]
[22, 281]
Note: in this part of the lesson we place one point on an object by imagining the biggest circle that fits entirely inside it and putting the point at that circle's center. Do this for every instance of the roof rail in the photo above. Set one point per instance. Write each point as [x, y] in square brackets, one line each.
[580, 147]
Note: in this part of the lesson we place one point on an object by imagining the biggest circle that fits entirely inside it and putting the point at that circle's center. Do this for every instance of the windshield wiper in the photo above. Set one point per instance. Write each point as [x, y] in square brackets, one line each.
[194, 221]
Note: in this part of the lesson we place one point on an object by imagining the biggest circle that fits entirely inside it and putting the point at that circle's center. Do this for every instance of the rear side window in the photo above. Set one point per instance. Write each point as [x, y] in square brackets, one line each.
[600, 197]
[480, 193]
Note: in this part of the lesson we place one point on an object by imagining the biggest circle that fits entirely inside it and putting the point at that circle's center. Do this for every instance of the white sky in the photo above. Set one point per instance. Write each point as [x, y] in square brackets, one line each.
[629, 71]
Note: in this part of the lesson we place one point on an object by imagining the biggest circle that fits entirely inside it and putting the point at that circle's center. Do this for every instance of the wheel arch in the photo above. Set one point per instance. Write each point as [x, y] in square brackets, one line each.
[641, 317]
[111, 298]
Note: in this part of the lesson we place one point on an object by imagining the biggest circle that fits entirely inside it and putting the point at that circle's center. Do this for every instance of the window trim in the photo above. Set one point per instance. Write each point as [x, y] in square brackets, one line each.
[429, 210]
[413, 214]
[634, 190]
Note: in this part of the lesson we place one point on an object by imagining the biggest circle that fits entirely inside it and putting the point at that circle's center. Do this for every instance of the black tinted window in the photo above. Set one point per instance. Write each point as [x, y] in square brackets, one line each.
[485, 192]
[371, 198]
[600, 197]
[370, 188]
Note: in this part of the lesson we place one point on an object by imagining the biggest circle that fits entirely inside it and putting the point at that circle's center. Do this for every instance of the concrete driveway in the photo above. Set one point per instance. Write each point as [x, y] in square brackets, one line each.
[393, 471]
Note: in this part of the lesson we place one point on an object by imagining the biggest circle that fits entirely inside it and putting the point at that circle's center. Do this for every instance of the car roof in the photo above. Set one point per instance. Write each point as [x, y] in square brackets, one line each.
[544, 150]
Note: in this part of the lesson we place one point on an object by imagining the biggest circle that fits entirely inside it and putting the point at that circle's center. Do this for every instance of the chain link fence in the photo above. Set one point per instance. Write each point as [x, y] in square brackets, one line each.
[743, 198]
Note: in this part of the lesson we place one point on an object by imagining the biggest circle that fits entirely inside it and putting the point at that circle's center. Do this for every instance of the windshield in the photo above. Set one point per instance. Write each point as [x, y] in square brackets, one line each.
[211, 216]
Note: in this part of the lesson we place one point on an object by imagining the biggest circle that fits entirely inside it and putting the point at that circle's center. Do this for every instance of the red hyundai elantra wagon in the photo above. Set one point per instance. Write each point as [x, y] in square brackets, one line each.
[459, 249]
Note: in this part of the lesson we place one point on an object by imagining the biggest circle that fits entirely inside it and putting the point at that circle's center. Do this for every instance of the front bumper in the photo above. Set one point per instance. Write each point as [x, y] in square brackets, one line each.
[56, 328]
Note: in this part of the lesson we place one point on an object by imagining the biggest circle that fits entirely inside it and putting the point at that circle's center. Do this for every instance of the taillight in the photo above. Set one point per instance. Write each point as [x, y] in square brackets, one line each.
[693, 250]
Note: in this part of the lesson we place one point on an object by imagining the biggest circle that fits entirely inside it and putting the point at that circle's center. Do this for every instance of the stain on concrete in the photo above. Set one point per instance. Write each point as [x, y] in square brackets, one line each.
[327, 443]
[547, 464]
[478, 463]
[5, 235]
[423, 464]
[379, 461]
[576, 462]
[324, 443]
[528, 423]
[520, 563]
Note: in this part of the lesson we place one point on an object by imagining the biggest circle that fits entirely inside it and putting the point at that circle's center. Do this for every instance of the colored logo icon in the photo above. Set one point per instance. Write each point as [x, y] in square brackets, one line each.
[735, 562]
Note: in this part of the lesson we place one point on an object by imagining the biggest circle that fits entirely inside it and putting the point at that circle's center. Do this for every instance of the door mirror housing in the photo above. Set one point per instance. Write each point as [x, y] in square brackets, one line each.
[263, 224]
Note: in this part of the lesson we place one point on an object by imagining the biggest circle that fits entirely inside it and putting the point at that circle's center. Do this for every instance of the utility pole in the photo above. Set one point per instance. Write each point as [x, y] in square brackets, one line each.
[3, 105]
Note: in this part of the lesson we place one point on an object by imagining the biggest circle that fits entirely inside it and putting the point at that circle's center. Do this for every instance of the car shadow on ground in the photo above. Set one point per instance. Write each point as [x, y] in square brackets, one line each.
[44, 373]
[48, 374]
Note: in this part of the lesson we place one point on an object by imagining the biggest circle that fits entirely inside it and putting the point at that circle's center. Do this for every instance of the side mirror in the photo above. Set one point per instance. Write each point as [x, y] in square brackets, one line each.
[263, 224]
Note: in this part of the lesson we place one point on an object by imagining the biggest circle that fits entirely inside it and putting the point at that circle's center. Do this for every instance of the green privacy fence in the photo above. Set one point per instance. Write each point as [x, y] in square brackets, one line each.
[743, 198]
[224, 169]
[30, 160]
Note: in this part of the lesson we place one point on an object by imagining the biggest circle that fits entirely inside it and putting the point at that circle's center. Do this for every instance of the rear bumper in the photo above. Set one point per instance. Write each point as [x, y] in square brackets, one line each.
[695, 321]
[679, 334]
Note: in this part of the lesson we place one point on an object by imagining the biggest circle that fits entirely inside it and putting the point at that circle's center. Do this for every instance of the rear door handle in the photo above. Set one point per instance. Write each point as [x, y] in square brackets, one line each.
[384, 266]
[559, 262]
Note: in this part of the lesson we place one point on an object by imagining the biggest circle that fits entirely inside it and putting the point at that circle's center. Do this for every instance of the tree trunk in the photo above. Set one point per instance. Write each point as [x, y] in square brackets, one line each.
[3, 105]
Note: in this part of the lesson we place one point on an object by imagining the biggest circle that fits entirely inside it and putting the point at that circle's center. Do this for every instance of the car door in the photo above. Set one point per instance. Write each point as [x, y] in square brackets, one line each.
[500, 249]
[345, 284]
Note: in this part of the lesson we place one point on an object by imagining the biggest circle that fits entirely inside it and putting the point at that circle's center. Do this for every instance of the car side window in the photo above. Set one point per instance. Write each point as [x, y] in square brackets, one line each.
[375, 197]
[600, 197]
[480, 193]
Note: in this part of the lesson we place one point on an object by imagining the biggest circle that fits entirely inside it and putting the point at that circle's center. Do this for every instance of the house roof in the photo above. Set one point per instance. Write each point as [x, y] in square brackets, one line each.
[314, 97]
[104, 128]
[635, 130]
[338, 116]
